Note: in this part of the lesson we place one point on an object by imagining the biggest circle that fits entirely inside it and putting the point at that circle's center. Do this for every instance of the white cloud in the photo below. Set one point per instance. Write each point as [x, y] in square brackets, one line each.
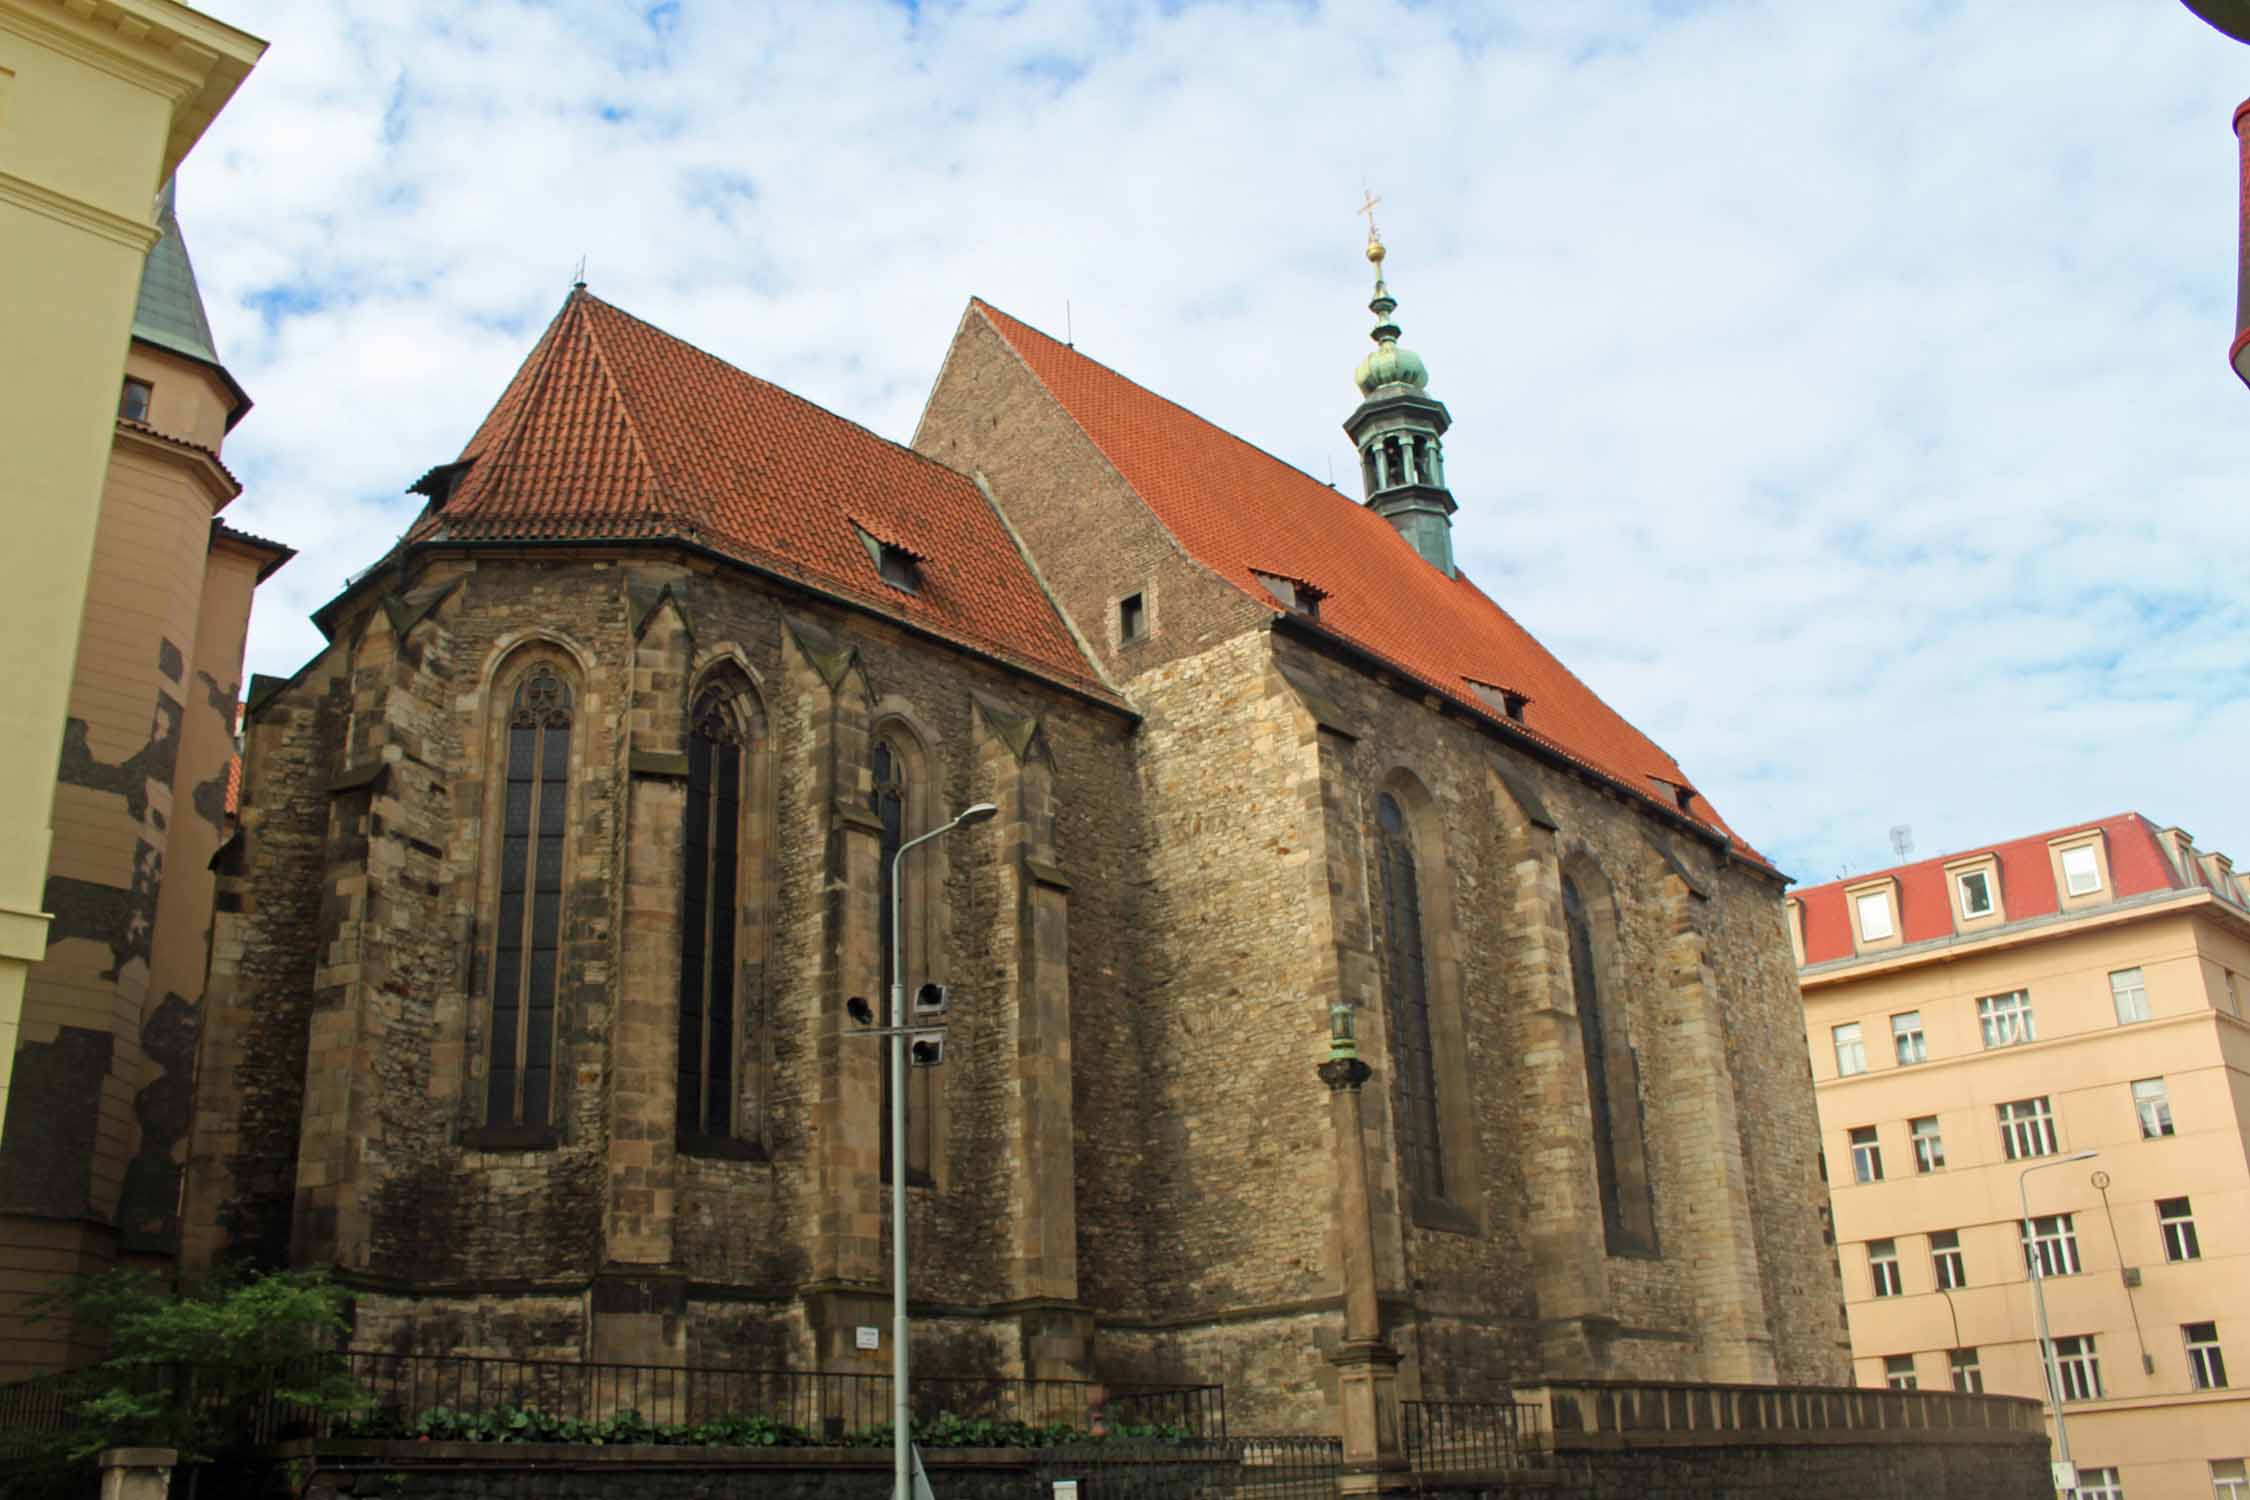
[1840, 389]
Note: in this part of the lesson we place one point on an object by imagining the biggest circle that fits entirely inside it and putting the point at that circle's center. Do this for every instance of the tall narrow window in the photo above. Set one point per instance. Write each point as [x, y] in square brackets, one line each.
[528, 922]
[1898, 1372]
[1628, 1215]
[1406, 985]
[1945, 1260]
[1967, 1370]
[1929, 1143]
[1906, 1038]
[1867, 1155]
[2153, 1103]
[2129, 993]
[1882, 1268]
[1851, 1052]
[2079, 1367]
[2207, 1366]
[710, 917]
[890, 797]
[2175, 1221]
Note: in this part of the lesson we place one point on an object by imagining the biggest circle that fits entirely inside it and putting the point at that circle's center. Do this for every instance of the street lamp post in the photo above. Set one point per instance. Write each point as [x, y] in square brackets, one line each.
[901, 1440]
[2036, 1265]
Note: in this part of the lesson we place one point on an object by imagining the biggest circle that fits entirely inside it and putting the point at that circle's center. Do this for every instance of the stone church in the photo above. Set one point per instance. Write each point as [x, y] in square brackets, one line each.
[559, 867]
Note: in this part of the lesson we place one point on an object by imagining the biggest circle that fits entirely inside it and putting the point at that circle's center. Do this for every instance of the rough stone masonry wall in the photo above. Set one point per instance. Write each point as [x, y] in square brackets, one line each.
[380, 805]
[1693, 966]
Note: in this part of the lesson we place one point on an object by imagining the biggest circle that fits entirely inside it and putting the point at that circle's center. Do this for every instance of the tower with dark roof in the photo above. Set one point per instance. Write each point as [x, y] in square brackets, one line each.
[1399, 430]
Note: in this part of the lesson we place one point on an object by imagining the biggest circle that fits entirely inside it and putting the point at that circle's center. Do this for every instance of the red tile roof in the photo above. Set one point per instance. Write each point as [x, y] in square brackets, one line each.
[614, 429]
[2137, 865]
[1241, 511]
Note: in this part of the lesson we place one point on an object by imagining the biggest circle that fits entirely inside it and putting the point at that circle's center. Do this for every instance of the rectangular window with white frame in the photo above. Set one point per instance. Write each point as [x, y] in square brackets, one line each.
[2230, 1479]
[1929, 1143]
[1974, 887]
[1874, 908]
[1867, 1155]
[2207, 1367]
[1906, 1038]
[2153, 1103]
[1882, 1268]
[2006, 1019]
[1851, 1052]
[2175, 1221]
[2050, 1246]
[2082, 870]
[1898, 1372]
[1967, 1371]
[2079, 1367]
[1945, 1260]
[2129, 993]
[2098, 1484]
[2027, 1129]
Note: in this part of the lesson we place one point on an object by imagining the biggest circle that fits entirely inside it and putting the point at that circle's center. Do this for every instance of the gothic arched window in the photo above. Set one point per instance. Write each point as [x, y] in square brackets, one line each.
[1612, 1094]
[892, 798]
[710, 916]
[527, 940]
[1406, 992]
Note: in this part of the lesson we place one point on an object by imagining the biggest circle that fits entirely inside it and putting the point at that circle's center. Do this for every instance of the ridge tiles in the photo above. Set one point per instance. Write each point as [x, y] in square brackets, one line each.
[1240, 511]
[613, 429]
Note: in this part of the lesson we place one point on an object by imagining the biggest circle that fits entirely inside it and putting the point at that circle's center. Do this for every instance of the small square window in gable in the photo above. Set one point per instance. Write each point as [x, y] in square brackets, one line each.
[132, 401]
[1506, 702]
[1132, 619]
[896, 564]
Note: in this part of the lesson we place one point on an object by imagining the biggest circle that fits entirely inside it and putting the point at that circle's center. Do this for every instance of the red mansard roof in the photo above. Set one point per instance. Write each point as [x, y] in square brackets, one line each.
[615, 430]
[2137, 866]
[1239, 511]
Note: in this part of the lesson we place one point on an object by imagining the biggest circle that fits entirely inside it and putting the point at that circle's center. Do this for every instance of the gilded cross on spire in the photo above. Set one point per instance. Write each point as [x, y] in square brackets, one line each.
[1374, 235]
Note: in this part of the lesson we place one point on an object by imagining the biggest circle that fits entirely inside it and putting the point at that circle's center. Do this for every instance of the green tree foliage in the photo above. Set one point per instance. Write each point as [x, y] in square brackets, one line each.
[200, 1369]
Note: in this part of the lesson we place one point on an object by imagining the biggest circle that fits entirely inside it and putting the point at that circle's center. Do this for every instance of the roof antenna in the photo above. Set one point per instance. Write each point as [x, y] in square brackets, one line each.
[1070, 338]
[1332, 471]
[1902, 840]
[578, 277]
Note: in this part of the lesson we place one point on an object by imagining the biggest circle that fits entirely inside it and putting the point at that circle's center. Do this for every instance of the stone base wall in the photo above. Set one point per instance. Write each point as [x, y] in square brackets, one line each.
[1786, 1471]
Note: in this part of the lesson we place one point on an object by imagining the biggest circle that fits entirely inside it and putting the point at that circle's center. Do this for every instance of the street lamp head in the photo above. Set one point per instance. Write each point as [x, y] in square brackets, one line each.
[976, 813]
[2079, 1156]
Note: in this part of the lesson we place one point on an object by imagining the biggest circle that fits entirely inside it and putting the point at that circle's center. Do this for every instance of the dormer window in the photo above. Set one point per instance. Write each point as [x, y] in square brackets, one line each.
[900, 568]
[2081, 868]
[1874, 913]
[1680, 793]
[896, 565]
[132, 402]
[1976, 893]
[1979, 903]
[1296, 595]
[1507, 702]
[2082, 876]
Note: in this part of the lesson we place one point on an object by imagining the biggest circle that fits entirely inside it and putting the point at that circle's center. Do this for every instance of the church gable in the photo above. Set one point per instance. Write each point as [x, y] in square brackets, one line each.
[615, 430]
[1298, 550]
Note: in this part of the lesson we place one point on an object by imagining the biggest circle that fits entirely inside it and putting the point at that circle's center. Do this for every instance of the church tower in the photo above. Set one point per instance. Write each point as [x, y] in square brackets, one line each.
[1399, 431]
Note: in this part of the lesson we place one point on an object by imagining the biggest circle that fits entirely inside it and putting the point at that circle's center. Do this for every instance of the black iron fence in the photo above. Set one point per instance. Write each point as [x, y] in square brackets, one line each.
[1460, 1436]
[473, 1398]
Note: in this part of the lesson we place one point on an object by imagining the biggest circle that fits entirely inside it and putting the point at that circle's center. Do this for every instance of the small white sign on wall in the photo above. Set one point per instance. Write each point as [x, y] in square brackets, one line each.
[869, 1338]
[1066, 1489]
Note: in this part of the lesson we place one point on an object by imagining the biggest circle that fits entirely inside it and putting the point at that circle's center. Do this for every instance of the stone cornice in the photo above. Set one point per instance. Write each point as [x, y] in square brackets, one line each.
[100, 222]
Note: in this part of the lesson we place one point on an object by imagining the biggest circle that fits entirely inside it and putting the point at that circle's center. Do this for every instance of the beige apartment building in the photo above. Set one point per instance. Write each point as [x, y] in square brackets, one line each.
[1977, 1020]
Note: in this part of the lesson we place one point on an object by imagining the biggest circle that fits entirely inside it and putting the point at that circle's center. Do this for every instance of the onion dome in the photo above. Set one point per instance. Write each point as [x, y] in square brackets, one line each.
[1391, 364]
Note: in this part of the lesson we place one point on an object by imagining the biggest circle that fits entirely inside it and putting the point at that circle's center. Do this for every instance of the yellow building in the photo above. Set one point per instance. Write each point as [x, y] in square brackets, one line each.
[1975, 1023]
[99, 101]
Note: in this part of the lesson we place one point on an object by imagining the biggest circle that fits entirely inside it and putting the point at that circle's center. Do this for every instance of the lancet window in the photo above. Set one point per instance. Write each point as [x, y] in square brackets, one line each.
[1406, 990]
[1612, 1093]
[527, 928]
[710, 915]
[893, 797]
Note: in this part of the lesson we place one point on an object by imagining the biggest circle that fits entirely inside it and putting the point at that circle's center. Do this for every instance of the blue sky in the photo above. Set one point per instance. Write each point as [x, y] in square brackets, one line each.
[1840, 390]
